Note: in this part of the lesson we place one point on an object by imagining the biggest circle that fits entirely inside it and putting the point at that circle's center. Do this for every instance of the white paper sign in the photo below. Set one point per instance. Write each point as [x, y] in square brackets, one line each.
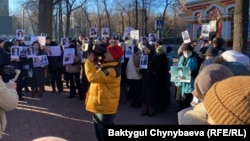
[20, 34]
[144, 61]
[42, 40]
[15, 52]
[129, 51]
[152, 38]
[105, 32]
[205, 30]
[127, 32]
[93, 32]
[31, 52]
[65, 42]
[68, 56]
[54, 50]
[40, 60]
[185, 36]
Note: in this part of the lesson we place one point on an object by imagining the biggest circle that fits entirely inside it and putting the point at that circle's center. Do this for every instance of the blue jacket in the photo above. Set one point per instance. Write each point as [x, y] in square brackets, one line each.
[187, 88]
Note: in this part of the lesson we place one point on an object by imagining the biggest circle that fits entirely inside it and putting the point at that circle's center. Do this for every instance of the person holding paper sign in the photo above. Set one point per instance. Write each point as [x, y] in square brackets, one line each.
[37, 79]
[184, 90]
[150, 82]
[55, 68]
[180, 74]
[10, 67]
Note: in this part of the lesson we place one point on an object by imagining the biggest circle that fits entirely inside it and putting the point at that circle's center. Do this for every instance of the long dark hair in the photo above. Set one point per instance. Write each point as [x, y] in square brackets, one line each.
[39, 49]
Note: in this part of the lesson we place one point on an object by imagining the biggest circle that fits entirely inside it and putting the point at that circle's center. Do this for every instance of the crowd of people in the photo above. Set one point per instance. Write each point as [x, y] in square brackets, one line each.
[103, 77]
[216, 73]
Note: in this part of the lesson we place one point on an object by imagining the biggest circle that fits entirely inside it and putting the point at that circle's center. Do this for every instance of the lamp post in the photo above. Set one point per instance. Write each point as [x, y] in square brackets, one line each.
[23, 18]
[159, 25]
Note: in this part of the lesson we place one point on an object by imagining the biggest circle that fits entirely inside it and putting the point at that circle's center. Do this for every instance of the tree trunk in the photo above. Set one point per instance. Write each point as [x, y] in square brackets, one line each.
[60, 21]
[45, 17]
[136, 14]
[68, 28]
[240, 25]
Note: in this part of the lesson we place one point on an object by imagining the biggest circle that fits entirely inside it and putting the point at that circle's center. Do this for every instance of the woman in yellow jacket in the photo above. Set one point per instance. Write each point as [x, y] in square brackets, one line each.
[104, 92]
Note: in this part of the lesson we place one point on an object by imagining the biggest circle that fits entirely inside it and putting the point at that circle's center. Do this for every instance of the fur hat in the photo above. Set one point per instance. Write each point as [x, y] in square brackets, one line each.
[228, 101]
[208, 76]
[115, 51]
[235, 56]
[161, 50]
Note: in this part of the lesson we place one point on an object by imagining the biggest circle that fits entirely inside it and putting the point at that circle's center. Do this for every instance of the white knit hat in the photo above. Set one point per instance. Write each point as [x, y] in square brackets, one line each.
[235, 56]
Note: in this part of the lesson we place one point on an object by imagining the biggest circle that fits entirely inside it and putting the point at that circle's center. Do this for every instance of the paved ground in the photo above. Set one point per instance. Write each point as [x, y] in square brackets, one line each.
[56, 115]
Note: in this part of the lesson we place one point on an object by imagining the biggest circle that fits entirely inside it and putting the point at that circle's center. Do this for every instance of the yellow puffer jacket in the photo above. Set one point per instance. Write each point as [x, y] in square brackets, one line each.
[104, 91]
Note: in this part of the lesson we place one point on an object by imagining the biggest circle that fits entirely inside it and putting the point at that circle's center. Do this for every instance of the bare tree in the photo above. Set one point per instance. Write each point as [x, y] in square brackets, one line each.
[107, 12]
[136, 14]
[166, 5]
[119, 9]
[240, 25]
[70, 7]
[86, 13]
[125, 7]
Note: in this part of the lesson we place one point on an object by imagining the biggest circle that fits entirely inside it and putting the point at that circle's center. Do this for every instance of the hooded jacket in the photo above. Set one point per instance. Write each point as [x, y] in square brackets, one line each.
[104, 91]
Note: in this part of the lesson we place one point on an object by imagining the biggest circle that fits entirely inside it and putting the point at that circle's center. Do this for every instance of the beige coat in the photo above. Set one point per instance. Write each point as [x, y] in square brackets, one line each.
[76, 67]
[8, 102]
[197, 116]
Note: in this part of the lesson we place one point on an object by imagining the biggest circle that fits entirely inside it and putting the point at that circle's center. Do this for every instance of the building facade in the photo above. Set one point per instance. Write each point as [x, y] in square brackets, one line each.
[6, 20]
[204, 11]
[4, 7]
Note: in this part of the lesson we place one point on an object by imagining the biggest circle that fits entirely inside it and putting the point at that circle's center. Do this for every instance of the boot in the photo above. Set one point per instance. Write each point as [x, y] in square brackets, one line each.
[53, 89]
[32, 92]
[27, 89]
[151, 111]
[40, 91]
[144, 110]
[20, 94]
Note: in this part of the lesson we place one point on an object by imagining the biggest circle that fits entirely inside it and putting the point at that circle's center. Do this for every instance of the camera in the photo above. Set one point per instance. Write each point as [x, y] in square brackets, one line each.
[98, 50]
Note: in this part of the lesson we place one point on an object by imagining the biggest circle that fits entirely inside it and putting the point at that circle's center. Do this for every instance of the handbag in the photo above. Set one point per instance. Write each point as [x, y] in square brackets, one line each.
[9, 69]
[30, 73]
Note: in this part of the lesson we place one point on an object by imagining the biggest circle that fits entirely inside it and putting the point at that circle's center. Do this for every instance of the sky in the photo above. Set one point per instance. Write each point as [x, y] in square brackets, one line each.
[14, 6]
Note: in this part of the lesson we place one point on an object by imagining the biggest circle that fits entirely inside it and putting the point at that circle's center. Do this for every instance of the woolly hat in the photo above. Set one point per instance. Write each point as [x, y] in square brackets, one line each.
[115, 51]
[228, 101]
[208, 76]
[237, 68]
[211, 51]
[187, 47]
[235, 56]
